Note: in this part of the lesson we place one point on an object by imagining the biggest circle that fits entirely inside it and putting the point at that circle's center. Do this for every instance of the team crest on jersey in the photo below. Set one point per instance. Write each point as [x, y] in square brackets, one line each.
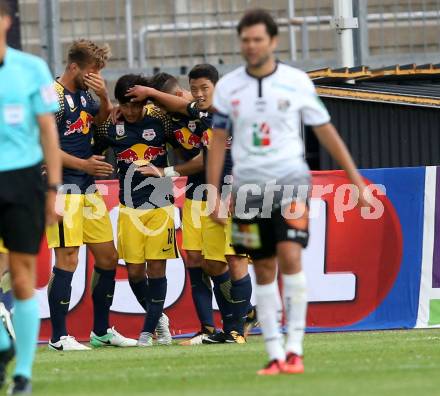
[192, 125]
[120, 129]
[70, 101]
[283, 105]
[148, 134]
[83, 101]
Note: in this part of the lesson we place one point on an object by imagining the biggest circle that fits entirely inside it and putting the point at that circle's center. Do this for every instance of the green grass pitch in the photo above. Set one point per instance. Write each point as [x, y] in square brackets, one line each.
[337, 364]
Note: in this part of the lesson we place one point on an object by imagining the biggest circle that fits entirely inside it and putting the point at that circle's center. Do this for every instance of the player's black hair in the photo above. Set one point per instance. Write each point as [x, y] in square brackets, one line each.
[164, 82]
[126, 82]
[256, 17]
[204, 70]
[5, 8]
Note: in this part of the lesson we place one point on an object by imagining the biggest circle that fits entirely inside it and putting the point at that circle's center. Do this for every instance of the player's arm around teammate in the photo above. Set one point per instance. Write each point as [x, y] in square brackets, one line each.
[146, 235]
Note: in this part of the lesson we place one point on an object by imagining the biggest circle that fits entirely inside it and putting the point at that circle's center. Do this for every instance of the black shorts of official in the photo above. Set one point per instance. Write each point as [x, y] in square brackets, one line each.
[22, 209]
[259, 237]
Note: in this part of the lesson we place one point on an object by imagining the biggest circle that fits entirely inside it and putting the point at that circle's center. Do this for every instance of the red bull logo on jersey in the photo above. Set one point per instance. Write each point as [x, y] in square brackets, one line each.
[206, 137]
[187, 139]
[81, 125]
[140, 154]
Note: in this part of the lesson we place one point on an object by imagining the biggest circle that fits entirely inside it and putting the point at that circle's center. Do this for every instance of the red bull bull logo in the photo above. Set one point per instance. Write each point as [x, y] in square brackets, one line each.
[140, 154]
[81, 125]
[187, 139]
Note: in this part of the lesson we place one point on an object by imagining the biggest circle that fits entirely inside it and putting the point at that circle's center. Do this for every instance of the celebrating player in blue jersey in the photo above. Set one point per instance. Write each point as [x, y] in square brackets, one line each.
[86, 219]
[146, 212]
[27, 129]
[228, 271]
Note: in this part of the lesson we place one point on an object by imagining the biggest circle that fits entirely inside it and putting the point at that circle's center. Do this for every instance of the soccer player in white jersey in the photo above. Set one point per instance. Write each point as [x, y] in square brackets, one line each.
[261, 105]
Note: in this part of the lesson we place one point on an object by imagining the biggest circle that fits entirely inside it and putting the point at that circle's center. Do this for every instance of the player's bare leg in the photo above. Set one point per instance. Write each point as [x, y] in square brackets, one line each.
[102, 288]
[295, 302]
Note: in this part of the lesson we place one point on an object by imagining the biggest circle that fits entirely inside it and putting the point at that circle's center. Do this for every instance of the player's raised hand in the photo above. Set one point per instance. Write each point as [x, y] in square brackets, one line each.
[115, 114]
[96, 166]
[151, 171]
[96, 83]
[138, 93]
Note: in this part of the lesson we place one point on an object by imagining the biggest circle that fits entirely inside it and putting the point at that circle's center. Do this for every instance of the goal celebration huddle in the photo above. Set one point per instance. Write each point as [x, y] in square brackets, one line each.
[237, 141]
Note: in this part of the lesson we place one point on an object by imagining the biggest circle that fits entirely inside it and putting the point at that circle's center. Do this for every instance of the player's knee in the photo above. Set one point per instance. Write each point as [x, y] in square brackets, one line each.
[214, 268]
[136, 272]
[22, 285]
[67, 259]
[194, 259]
[107, 260]
[156, 269]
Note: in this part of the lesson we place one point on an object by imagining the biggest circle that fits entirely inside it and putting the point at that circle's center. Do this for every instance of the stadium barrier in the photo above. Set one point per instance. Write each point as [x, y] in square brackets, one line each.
[365, 270]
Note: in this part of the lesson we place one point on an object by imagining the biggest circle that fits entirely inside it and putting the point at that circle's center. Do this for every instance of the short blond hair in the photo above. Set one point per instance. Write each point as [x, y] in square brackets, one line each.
[86, 52]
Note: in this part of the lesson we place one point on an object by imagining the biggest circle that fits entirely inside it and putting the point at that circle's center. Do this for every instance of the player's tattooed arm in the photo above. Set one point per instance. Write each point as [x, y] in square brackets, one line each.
[171, 103]
[97, 84]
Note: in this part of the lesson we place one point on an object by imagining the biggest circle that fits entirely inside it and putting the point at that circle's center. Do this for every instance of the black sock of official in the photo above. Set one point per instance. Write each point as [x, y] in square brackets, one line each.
[58, 292]
[103, 287]
[158, 291]
[222, 288]
[201, 291]
[140, 290]
[241, 292]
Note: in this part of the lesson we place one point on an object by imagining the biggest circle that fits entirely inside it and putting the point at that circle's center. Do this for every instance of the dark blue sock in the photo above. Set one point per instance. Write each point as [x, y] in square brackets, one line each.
[140, 290]
[103, 288]
[59, 291]
[222, 288]
[241, 292]
[158, 291]
[202, 296]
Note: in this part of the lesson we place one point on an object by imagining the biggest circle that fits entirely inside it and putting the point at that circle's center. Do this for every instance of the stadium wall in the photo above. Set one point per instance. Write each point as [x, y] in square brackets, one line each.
[378, 269]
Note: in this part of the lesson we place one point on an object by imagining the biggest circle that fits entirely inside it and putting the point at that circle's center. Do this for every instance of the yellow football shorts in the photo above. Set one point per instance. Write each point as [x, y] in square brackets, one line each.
[146, 234]
[193, 220]
[2, 247]
[85, 220]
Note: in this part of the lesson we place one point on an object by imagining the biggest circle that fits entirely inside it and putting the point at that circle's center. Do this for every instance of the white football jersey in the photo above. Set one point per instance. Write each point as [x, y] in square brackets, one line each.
[264, 116]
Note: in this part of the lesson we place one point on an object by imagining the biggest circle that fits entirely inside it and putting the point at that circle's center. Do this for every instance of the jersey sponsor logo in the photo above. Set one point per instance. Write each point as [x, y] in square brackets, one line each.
[246, 235]
[283, 105]
[187, 139]
[206, 137]
[260, 105]
[13, 114]
[83, 101]
[140, 154]
[81, 125]
[148, 134]
[261, 135]
[70, 102]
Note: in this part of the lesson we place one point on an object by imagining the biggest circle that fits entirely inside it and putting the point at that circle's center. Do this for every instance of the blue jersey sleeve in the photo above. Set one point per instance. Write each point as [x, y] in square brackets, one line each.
[44, 98]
